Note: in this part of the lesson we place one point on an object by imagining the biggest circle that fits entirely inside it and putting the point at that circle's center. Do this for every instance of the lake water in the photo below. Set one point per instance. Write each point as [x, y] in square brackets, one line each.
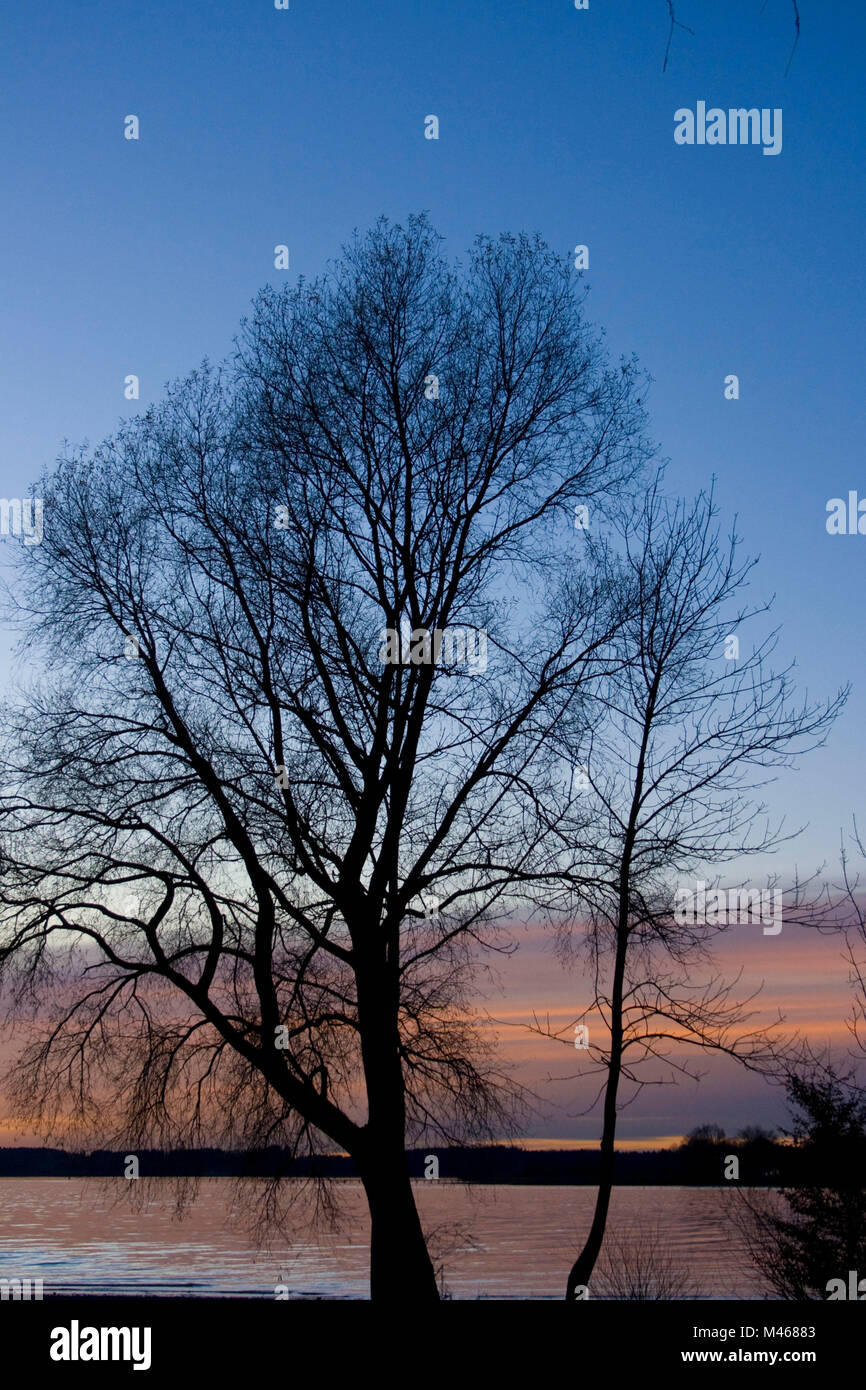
[90, 1236]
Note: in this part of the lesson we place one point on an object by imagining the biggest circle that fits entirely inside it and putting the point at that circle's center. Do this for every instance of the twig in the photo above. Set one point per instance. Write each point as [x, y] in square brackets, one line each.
[796, 35]
[796, 32]
[676, 24]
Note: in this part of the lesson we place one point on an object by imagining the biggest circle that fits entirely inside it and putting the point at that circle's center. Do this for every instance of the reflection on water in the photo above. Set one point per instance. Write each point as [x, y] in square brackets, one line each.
[81, 1236]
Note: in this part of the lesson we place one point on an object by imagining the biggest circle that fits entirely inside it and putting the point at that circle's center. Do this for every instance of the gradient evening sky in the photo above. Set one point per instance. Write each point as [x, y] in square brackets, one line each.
[261, 127]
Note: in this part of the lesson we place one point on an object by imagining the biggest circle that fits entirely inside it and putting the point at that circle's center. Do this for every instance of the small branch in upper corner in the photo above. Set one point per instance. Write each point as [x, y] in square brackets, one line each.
[796, 32]
[676, 24]
[796, 35]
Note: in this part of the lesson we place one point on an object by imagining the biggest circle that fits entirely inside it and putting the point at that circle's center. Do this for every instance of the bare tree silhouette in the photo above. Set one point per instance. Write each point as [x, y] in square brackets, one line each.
[249, 852]
[635, 1265]
[682, 739]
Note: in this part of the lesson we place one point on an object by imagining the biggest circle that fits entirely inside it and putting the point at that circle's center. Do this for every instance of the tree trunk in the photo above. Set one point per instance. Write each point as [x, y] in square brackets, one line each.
[400, 1266]
[583, 1266]
[585, 1262]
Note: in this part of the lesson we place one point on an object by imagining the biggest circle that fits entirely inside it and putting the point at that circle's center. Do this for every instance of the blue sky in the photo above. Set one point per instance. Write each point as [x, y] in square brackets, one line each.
[260, 127]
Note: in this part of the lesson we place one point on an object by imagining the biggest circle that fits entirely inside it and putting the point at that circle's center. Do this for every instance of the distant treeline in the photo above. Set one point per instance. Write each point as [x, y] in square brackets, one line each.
[696, 1162]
